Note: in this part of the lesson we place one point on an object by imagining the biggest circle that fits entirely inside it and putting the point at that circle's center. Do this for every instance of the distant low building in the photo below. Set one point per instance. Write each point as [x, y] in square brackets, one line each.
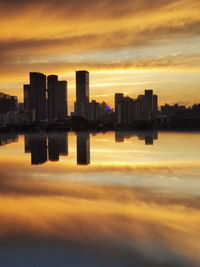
[129, 110]
[171, 110]
[8, 109]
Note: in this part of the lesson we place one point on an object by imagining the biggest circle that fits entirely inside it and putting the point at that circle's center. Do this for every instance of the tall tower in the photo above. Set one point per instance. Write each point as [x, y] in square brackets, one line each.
[118, 97]
[51, 90]
[37, 97]
[82, 93]
[148, 104]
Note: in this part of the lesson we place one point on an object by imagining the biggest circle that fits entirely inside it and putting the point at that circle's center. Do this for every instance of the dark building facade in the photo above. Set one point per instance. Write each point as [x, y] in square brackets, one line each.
[8, 103]
[94, 110]
[127, 111]
[172, 110]
[57, 98]
[118, 98]
[144, 108]
[82, 94]
[37, 97]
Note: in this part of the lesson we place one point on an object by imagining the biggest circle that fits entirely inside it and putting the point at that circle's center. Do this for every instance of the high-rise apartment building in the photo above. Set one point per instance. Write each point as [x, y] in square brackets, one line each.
[37, 97]
[57, 98]
[82, 94]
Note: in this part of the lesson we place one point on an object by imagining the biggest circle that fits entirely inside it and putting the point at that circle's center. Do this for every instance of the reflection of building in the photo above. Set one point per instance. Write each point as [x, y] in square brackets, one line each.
[57, 98]
[119, 137]
[38, 148]
[53, 148]
[83, 148]
[7, 138]
[27, 148]
[37, 145]
[148, 136]
[82, 94]
[57, 145]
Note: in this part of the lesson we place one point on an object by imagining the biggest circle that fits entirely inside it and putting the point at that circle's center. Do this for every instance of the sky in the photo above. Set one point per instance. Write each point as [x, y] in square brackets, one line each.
[127, 46]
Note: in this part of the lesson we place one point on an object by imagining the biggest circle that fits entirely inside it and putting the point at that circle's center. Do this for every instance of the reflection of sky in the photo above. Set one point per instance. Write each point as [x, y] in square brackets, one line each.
[133, 203]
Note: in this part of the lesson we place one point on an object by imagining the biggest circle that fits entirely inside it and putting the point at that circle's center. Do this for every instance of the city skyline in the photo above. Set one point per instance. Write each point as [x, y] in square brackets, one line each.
[91, 97]
[99, 133]
[122, 50]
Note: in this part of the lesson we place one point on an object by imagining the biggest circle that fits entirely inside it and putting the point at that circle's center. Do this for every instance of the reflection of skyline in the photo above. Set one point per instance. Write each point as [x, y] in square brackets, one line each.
[7, 138]
[38, 148]
[129, 207]
[83, 148]
[49, 147]
[148, 136]
[57, 145]
[41, 144]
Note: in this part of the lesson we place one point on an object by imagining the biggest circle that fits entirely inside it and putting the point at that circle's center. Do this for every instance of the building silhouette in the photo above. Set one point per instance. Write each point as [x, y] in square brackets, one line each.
[118, 98]
[83, 148]
[8, 109]
[35, 97]
[172, 110]
[81, 106]
[129, 110]
[8, 103]
[94, 110]
[57, 98]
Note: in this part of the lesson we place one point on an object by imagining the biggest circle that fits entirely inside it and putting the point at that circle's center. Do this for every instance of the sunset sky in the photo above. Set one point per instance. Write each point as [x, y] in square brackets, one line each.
[127, 46]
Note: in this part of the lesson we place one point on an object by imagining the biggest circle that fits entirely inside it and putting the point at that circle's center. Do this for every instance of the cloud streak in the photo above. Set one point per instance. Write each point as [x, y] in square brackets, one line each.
[40, 35]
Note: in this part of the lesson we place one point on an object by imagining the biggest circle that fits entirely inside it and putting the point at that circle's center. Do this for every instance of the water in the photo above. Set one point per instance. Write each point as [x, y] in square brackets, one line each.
[113, 199]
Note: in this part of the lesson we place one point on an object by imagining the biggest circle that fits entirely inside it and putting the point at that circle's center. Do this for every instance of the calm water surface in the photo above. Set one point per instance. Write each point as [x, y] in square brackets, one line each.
[114, 199]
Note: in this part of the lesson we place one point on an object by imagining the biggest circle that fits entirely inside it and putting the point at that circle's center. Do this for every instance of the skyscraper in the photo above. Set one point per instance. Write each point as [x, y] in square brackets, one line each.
[118, 97]
[37, 97]
[82, 93]
[57, 98]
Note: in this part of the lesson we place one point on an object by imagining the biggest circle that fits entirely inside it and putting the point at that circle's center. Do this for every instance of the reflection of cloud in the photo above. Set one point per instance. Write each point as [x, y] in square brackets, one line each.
[39, 184]
[134, 219]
